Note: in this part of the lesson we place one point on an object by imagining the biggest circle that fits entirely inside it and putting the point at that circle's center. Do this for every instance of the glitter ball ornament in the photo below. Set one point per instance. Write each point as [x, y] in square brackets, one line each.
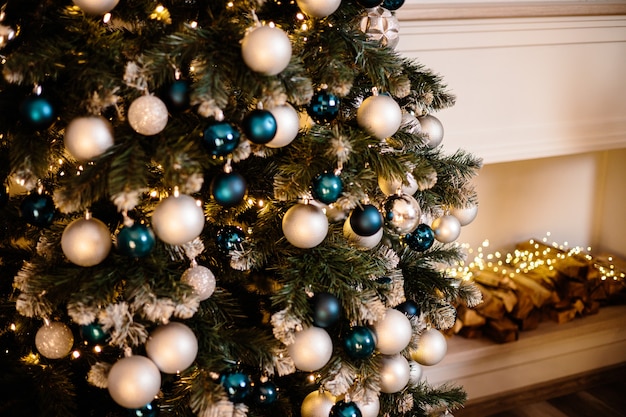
[37, 111]
[266, 50]
[323, 107]
[431, 348]
[228, 188]
[393, 332]
[259, 126]
[237, 385]
[201, 279]
[392, 4]
[38, 209]
[402, 213]
[86, 241]
[147, 115]
[265, 393]
[134, 381]
[172, 347]
[345, 409]
[359, 342]
[54, 340]
[326, 309]
[178, 219]
[311, 350]
[305, 225]
[220, 138]
[432, 130]
[88, 137]
[380, 116]
[420, 239]
[391, 186]
[366, 220]
[465, 215]
[136, 240]
[381, 25]
[369, 409]
[230, 238]
[148, 410]
[327, 187]
[96, 7]
[446, 228]
[318, 8]
[93, 333]
[361, 242]
[394, 373]
[287, 126]
[317, 404]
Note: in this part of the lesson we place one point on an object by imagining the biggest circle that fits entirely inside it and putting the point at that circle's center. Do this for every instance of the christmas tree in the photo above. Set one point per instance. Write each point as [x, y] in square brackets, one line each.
[223, 208]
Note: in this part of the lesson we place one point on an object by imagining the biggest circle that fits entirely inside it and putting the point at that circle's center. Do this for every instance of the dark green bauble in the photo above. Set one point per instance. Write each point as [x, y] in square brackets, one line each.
[366, 220]
[326, 309]
[4, 194]
[38, 209]
[409, 308]
[259, 126]
[149, 410]
[221, 138]
[327, 187]
[345, 409]
[392, 4]
[421, 239]
[324, 107]
[359, 342]
[230, 238]
[136, 240]
[237, 385]
[93, 333]
[228, 188]
[265, 393]
[177, 95]
[37, 111]
[368, 4]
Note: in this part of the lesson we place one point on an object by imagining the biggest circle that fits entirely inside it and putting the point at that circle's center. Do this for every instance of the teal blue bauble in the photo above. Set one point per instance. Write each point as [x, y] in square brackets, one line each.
[393, 4]
[221, 138]
[149, 410]
[359, 342]
[230, 238]
[137, 240]
[265, 393]
[327, 187]
[345, 409]
[37, 111]
[326, 309]
[421, 239]
[237, 385]
[259, 126]
[38, 209]
[366, 220]
[324, 107]
[93, 333]
[228, 188]
[177, 95]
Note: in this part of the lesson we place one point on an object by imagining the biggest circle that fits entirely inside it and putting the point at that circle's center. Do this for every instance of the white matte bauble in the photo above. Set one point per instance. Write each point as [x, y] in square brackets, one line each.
[361, 242]
[54, 340]
[394, 373]
[266, 50]
[318, 8]
[147, 115]
[369, 409]
[381, 25]
[317, 404]
[134, 381]
[431, 348]
[178, 219]
[287, 125]
[380, 116]
[96, 6]
[86, 242]
[416, 373]
[432, 129]
[465, 215]
[393, 332]
[446, 228]
[88, 137]
[395, 186]
[201, 279]
[312, 349]
[172, 347]
[305, 225]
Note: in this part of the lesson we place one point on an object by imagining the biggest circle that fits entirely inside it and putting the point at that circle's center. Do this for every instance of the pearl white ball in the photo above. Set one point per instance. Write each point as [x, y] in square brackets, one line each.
[465, 215]
[88, 137]
[312, 349]
[380, 116]
[361, 242]
[305, 225]
[172, 347]
[86, 242]
[392, 186]
[318, 8]
[266, 50]
[178, 219]
[446, 228]
[394, 373]
[147, 115]
[317, 404]
[134, 381]
[287, 125]
[432, 129]
[369, 409]
[54, 340]
[201, 279]
[431, 349]
[393, 332]
[96, 6]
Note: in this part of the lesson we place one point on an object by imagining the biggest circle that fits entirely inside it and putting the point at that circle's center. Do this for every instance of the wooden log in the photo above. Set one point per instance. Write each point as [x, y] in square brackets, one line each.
[531, 321]
[493, 308]
[469, 317]
[562, 315]
[508, 298]
[502, 331]
[591, 307]
[471, 332]
[524, 306]
[574, 266]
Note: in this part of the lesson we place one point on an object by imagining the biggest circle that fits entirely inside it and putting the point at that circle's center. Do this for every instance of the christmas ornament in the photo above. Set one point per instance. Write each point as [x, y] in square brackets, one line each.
[369, 409]
[266, 50]
[178, 219]
[201, 279]
[432, 129]
[230, 238]
[379, 115]
[88, 137]
[345, 409]
[318, 8]
[369, 3]
[327, 187]
[446, 228]
[410, 124]
[86, 241]
[7, 34]
[415, 373]
[420, 239]
[147, 115]
[172, 347]
[177, 95]
[93, 333]
[323, 107]
[402, 213]
[359, 342]
[392, 4]
[394, 373]
[37, 111]
[396, 186]
[97, 7]
[265, 393]
[259, 126]
[237, 385]
[409, 308]
[311, 350]
[54, 340]
[305, 225]
[148, 410]
[136, 240]
[228, 188]
[326, 309]
[465, 215]
[220, 138]
[4, 194]
[317, 404]
[431, 348]
[379, 24]
[393, 332]
[38, 209]
[134, 381]
[361, 242]
[365, 220]
[287, 126]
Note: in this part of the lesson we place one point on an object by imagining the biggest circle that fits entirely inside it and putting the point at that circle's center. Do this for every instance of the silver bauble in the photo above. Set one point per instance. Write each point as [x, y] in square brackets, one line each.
[380, 116]
[86, 242]
[88, 137]
[287, 123]
[393, 332]
[266, 50]
[381, 25]
[312, 349]
[305, 225]
[134, 381]
[446, 228]
[394, 373]
[317, 404]
[402, 213]
[54, 340]
[147, 115]
[370, 409]
[178, 219]
[416, 373]
[96, 7]
[172, 347]
[396, 186]
[432, 129]
[361, 242]
[318, 8]
[431, 348]
[465, 215]
[201, 279]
